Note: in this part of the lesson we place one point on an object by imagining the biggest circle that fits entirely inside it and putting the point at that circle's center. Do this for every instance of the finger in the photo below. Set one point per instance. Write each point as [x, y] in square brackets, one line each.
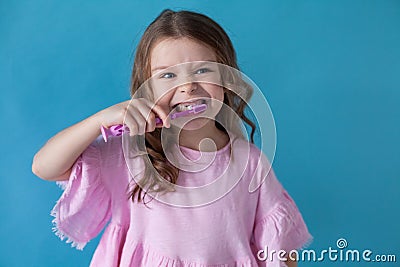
[132, 125]
[148, 116]
[137, 118]
[140, 120]
[161, 114]
[151, 122]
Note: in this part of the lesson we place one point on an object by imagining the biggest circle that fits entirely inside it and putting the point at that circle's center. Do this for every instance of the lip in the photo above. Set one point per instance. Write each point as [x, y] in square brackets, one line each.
[189, 101]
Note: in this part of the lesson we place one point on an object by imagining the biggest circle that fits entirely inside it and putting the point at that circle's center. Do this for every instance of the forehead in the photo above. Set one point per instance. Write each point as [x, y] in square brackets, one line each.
[169, 52]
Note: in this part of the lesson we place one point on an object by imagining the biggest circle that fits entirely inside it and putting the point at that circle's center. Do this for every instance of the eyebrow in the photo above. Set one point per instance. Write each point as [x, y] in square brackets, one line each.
[159, 68]
[165, 67]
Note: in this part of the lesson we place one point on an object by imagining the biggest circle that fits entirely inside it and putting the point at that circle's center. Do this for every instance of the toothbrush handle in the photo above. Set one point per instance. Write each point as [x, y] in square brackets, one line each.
[119, 129]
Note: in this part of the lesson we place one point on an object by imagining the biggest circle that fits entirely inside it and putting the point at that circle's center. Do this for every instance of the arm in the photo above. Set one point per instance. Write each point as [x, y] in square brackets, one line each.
[53, 162]
[55, 159]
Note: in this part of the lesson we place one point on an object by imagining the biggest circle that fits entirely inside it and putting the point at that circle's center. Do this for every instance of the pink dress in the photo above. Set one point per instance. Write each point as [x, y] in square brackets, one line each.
[227, 232]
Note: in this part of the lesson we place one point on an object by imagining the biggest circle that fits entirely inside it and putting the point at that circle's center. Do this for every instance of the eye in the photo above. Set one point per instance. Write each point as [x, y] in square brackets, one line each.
[167, 75]
[202, 70]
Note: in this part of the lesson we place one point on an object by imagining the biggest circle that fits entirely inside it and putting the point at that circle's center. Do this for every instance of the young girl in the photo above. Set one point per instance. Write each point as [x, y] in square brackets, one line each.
[238, 229]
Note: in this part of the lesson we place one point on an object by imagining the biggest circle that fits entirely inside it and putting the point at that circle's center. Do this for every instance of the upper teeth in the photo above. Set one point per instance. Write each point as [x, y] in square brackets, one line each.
[189, 105]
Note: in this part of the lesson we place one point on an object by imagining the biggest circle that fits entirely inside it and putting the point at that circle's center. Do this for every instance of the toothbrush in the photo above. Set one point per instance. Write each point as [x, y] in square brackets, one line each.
[117, 130]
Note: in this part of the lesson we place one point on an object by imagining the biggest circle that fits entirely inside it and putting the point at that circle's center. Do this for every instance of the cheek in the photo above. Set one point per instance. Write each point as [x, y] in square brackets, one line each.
[216, 92]
[162, 98]
[163, 103]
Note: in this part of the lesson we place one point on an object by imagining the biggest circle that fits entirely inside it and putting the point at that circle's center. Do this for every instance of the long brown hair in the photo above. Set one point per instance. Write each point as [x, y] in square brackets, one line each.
[178, 24]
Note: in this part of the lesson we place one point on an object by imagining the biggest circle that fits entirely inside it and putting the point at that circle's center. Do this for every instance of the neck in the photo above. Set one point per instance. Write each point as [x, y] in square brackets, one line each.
[192, 138]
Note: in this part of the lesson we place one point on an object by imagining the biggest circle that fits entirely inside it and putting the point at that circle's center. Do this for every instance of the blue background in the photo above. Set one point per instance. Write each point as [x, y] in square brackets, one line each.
[329, 69]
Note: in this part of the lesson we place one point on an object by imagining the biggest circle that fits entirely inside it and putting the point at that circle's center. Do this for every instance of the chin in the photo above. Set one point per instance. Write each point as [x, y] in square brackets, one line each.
[195, 124]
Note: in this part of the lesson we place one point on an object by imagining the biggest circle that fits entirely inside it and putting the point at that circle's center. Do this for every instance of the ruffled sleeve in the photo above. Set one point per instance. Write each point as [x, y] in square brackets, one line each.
[279, 224]
[85, 205]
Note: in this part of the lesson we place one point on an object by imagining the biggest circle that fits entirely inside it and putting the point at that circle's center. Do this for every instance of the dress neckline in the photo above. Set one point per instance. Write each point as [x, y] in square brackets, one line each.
[217, 152]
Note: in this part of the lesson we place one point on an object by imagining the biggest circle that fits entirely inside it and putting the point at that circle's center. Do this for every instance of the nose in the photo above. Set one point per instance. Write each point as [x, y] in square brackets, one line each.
[188, 87]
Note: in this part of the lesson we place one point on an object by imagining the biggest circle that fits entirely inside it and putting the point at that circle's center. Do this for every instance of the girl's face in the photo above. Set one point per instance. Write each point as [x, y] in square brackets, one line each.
[170, 52]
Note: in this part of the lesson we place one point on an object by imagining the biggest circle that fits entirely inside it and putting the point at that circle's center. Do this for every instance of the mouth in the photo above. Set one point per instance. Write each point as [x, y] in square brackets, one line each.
[188, 105]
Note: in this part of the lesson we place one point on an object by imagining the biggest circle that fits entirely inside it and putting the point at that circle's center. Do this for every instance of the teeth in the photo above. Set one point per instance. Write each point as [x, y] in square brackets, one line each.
[189, 106]
[184, 107]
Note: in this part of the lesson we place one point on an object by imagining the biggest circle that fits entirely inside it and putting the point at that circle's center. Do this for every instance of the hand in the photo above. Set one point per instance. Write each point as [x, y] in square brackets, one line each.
[137, 114]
